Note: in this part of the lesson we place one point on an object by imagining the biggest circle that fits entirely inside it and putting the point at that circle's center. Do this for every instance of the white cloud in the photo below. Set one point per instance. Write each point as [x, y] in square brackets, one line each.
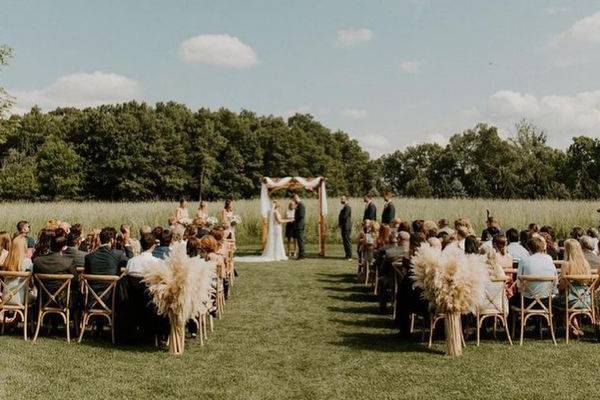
[375, 144]
[352, 37]
[304, 109]
[218, 50]
[410, 67]
[79, 90]
[562, 116]
[583, 31]
[354, 113]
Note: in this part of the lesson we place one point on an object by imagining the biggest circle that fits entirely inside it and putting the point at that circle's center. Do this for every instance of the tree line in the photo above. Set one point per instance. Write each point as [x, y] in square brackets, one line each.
[133, 151]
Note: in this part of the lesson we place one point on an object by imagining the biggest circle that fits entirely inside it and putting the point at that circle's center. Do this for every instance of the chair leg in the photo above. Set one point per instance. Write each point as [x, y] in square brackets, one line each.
[412, 323]
[68, 327]
[522, 329]
[505, 322]
[39, 324]
[84, 322]
[25, 320]
[478, 328]
[210, 319]
[551, 328]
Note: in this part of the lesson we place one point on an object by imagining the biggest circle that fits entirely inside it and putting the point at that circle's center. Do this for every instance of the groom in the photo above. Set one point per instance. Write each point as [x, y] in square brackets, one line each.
[299, 217]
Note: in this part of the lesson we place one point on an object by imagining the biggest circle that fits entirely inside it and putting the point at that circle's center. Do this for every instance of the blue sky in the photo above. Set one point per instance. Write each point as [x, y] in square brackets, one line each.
[390, 73]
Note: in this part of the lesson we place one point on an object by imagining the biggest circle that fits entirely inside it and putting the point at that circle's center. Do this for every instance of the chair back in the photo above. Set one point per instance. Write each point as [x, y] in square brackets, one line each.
[9, 293]
[581, 287]
[99, 301]
[544, 290]
[495, 297]
[49, 297]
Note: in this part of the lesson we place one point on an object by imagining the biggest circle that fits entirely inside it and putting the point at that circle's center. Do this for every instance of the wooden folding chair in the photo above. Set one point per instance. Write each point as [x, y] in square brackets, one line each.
[11, 284]
[396, 266]
[536, 307]
[496, 306]
[368, 260]
[582, 286]
[220, 293]
[95, 303]
[53, 302]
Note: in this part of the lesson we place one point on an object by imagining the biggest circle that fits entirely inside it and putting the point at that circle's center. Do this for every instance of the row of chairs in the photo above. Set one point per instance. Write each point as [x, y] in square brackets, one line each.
[54, 298]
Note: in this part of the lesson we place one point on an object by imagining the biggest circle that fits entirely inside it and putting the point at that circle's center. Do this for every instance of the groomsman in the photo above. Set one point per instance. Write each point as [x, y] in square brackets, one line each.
[345, 224]
[389, 212]
[370, 209]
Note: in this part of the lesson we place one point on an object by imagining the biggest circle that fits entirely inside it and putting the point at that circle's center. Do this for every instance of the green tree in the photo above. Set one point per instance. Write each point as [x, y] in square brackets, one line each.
[6, 101]
[18, 179]
[59, 170]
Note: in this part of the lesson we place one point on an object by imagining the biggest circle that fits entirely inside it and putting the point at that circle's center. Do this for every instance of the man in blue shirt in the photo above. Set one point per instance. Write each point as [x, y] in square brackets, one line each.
[538, 264]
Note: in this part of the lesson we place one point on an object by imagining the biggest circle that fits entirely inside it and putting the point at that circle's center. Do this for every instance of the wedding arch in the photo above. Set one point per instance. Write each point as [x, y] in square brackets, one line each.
[317, 185]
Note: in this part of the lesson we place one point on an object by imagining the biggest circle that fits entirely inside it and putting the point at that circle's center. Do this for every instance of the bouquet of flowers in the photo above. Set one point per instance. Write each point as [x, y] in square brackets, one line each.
[235, 220]
[185, 221]
[211, 221]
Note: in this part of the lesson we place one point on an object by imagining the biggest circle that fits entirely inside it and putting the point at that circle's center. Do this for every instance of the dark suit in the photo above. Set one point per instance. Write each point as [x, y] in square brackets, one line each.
[370, 212]
[386, 256]
[299, 222]
[345, 224]
[76, 255]
[55, 263]
[388, 214]
[104, 261]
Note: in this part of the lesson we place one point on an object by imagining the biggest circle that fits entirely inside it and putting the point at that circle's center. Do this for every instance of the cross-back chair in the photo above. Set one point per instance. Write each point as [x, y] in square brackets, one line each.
[98, 302]
[12, 284]
[53, 301]
[495, 306]
[536, 306]
[230, 261]
[581, 287]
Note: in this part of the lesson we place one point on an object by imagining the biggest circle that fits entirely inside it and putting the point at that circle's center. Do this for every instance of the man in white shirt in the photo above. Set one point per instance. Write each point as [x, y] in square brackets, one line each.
[514, 248]
[538, 264]
[137, 264]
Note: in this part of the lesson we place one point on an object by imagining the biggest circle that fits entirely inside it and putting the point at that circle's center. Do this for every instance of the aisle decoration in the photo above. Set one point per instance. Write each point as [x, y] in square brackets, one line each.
[181, 289]
[454, 284]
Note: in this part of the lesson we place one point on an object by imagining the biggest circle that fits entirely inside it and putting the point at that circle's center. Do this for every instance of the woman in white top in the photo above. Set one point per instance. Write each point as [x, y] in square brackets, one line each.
[4, 246]
[17, 260]
[202, 212]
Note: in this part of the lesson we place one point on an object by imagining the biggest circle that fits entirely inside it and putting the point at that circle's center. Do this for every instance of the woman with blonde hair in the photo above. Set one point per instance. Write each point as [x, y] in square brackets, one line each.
[4, 246]
[16, 261]
[578, 295]
[202, 210]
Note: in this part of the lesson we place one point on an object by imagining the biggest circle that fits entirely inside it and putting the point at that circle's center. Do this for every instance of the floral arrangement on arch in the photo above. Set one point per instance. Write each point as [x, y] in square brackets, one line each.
[454, 283]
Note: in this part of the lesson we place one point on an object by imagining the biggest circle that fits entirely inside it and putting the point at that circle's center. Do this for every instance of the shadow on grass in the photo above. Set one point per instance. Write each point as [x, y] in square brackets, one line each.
[371, 310]
[356, 297]
[379, 323]
[353, 289]
[336, 278]
[384, 343]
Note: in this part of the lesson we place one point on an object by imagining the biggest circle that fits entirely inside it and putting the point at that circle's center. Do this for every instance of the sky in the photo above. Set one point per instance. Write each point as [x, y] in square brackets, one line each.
[389, 73]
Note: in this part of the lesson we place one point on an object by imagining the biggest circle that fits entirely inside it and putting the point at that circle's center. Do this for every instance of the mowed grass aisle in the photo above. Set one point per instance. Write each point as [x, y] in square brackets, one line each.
[297, 330]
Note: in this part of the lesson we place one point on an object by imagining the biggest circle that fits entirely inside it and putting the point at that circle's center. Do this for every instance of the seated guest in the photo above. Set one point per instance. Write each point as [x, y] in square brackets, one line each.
[17, 260]
[164, 244]
[23, 229]
[524, 239]
[514, 248]
[593, 233]
[533, 228]
[404, 227]
[588, 244]
[435, 243]
[471, 245]
[386, 257]
[503, 257]
[575, 264]
[209, 249]
[157, 232]
[395, 224]
[73, 244]
[430, 229]
[42, 246]
[495, 295]
[551, 247]
[55, 262]
[417, 226]
[459, 238]
[444, 226]
[125, 230]
[382, 236]
[492, 230]
[136, 264]
[577, 232]
[193, 247]
[540, 264]
[4, 246]
[466, 224]
[103, 260]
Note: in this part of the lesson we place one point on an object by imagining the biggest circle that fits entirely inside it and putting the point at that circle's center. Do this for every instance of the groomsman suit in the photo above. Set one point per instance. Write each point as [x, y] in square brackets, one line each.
[370, 212]
[345, 224]
[299, 217]
[389, 213]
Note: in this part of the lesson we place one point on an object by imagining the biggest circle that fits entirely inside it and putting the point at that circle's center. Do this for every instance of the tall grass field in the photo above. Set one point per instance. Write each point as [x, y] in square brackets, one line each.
[562, 215]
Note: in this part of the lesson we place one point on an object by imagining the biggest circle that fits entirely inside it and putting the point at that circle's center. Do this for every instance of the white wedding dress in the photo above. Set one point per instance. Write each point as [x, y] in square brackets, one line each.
[274, 249]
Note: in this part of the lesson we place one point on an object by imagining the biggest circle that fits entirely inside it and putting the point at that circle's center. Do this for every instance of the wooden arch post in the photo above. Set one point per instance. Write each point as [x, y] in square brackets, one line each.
[322, 222]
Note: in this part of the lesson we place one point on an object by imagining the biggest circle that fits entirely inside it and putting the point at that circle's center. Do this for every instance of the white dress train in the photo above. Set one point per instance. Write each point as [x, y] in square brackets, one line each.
[274, 249]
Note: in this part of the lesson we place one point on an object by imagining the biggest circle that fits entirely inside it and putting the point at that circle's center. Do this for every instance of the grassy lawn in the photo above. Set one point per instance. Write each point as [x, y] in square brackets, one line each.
[297, 330]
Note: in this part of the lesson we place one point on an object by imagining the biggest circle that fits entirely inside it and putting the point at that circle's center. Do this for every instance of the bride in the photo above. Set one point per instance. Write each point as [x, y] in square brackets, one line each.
[274, 249]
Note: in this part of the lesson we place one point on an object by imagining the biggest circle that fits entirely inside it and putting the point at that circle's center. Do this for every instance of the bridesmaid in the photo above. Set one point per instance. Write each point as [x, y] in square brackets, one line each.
[225, 219]
[202, 210]
[182, 216]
